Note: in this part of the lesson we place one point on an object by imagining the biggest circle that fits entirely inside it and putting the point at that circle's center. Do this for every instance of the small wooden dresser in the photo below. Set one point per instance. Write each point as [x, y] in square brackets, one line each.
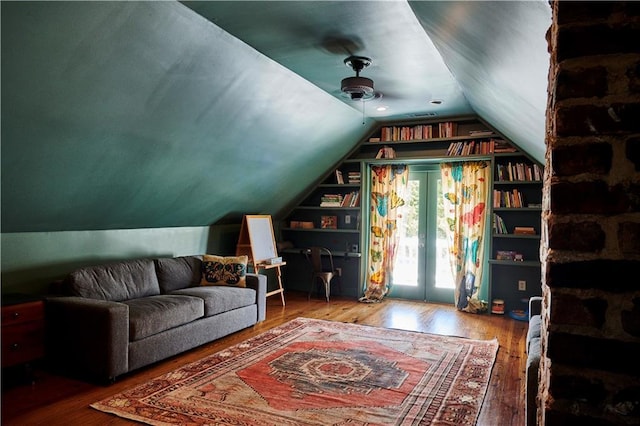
[22, 329]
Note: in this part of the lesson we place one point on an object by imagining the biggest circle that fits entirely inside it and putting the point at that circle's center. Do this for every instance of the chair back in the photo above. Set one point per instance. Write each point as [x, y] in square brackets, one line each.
[315, 258]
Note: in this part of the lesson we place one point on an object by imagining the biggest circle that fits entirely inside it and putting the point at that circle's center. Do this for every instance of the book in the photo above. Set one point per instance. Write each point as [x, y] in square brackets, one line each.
[331, 200]
[339, 178]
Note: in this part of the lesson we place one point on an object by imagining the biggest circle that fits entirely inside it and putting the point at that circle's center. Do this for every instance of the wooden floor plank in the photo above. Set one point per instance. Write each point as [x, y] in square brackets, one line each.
[55, 400]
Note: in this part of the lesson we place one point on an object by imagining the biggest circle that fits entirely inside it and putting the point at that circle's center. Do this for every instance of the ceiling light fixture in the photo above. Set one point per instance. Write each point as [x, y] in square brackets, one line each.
[358, 88]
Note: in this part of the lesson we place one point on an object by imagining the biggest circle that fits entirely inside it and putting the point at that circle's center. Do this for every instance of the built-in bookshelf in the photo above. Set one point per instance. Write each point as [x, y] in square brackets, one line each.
[342, 197]
[516, 219]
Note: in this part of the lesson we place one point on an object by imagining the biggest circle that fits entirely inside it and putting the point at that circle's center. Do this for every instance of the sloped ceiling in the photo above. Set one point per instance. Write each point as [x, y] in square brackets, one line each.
[160, 114]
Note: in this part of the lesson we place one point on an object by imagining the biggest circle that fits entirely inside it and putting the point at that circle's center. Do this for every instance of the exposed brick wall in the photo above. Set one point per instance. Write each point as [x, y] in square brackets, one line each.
[590, 248]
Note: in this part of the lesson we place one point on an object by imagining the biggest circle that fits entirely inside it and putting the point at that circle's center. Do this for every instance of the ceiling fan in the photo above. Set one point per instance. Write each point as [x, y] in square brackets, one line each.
[358, 88]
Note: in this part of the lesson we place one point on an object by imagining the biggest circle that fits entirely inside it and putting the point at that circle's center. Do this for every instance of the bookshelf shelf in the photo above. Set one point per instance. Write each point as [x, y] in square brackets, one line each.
[523, 236]
[518, 264]
[325, 208]
[326, 230]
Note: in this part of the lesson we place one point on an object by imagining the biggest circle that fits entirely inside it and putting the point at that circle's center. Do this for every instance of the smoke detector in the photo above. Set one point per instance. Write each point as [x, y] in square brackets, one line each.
[358, 88]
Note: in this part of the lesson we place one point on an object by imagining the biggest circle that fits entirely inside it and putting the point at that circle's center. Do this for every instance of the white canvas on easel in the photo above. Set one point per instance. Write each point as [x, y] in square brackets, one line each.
[258, 242]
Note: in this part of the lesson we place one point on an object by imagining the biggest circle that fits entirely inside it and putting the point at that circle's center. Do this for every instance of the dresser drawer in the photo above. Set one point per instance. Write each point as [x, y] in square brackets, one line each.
[22, 343]
[22, 333]
[23, 312]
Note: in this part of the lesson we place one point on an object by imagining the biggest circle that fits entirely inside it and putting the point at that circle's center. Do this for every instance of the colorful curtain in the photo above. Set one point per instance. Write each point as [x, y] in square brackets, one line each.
[465, 188]
[388, 187]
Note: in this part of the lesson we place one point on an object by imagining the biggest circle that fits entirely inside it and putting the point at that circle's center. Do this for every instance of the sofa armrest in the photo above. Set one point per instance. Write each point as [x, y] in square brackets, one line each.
[88, 337]
[535, 306]
[258, 282]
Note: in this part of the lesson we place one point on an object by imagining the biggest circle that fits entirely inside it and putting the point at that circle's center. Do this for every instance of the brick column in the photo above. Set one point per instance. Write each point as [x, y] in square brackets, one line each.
[590, 248]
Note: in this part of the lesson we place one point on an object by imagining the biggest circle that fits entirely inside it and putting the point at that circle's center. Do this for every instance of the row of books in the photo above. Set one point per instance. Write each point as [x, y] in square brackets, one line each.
[448, 129]
[351, 199]
[513, 198]
[518, 172]
[499, 227]
[352, 177]
[471, 147]
[417, 132]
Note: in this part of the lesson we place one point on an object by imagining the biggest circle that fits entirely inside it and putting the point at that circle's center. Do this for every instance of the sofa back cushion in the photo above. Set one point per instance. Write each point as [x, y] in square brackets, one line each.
[175, 273]
[115, 281]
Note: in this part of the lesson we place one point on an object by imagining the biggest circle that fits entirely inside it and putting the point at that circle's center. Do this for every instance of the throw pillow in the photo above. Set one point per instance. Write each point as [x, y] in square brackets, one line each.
[224, 270]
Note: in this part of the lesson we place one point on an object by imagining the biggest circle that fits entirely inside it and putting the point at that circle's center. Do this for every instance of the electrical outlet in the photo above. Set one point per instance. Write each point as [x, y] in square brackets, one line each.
[339, 271]
[522, 285]
[347, 219]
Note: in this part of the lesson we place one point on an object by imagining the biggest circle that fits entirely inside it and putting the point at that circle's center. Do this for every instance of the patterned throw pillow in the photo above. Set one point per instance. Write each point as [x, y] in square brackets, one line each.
[224, 270]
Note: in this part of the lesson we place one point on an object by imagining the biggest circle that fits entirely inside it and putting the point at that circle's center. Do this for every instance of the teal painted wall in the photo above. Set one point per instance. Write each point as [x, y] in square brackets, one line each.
[125, 115]
[135, 129]
[32, 260]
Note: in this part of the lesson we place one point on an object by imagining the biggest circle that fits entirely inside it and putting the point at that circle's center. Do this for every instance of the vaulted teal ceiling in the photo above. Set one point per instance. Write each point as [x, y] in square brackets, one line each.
[161, 114]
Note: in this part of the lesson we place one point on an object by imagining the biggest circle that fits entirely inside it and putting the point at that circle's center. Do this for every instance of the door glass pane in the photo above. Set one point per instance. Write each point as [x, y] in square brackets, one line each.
[444, 276]
[406, 262]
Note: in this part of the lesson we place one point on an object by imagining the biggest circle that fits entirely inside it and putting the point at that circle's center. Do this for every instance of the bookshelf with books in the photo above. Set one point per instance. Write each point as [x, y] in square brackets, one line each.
[516, 186]
[328, 216]
[514, 266]
[428, 139]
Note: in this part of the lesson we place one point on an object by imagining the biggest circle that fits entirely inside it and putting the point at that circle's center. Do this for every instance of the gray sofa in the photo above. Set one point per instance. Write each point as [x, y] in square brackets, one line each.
[533, 358]
[108, 320]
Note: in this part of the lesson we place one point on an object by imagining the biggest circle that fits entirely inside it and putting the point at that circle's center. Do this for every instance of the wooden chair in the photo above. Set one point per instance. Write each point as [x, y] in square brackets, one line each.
[319, 271]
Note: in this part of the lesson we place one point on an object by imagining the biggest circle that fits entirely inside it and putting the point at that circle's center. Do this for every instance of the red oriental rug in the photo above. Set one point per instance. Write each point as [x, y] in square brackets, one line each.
[317, 372]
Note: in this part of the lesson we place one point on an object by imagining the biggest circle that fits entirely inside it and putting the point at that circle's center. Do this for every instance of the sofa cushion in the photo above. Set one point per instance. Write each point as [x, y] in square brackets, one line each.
[115, 281]
[178, 272]
[533, 331]
[224, 270]
[152, 315]
[219, 299]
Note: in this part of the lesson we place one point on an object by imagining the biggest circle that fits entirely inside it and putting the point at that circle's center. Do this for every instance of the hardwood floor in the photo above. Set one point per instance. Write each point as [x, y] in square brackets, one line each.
[54, 400]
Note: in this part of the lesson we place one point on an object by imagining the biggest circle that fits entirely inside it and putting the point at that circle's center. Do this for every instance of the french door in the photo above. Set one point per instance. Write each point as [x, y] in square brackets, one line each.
[422, 270]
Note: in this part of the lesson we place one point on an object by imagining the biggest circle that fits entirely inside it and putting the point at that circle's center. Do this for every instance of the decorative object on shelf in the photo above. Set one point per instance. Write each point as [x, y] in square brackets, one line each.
[507, 255]
[497, 306]
[329, 222]
[525, 230]
[386, 152]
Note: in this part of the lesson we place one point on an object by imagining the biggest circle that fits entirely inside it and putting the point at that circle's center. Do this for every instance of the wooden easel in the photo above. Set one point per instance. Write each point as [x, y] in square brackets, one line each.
[257, 241]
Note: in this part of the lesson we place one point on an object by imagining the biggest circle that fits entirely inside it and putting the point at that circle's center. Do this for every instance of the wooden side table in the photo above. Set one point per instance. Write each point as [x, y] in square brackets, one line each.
[22, 329]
